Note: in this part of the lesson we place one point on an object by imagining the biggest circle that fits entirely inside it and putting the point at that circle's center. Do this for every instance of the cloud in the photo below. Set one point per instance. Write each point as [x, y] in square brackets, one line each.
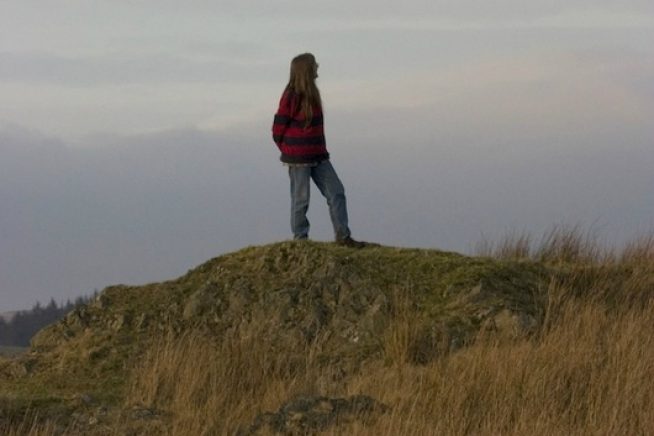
[118, 69]
[553, 95]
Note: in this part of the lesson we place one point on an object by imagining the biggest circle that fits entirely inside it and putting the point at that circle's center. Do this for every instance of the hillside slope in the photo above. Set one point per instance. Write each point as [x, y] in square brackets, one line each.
[288, 294]
[306, 337]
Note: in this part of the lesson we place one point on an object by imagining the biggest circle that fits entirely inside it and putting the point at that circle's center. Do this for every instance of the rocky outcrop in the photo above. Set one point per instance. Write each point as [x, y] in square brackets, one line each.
[311, 414]
[294, 293]
[350, 308]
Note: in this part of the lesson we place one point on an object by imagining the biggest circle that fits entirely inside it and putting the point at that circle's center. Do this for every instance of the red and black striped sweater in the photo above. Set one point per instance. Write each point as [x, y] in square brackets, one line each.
[298, 141]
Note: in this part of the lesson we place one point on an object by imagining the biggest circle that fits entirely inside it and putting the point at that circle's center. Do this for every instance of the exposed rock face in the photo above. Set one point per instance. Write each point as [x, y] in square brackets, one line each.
[510, 324]
[311, 414]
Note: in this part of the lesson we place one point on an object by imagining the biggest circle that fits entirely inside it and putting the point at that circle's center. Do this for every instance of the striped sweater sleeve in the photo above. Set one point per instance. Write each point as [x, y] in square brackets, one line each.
[283, 117]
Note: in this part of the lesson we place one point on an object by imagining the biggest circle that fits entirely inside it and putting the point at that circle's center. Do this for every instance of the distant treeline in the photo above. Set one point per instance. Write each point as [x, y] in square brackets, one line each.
[25, 324]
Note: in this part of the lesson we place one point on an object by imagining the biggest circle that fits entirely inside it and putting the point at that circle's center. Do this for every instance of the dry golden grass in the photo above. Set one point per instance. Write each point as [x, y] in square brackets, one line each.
[590, 369]
[30, 426]
[213, 388]
[561, 243]
[590, 373]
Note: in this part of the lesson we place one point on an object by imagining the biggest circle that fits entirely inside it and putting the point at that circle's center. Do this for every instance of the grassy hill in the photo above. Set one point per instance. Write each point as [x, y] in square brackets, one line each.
[246, 332]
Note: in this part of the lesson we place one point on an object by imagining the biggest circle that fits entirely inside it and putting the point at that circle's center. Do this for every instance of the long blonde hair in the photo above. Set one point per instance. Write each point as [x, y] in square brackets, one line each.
[302, 81]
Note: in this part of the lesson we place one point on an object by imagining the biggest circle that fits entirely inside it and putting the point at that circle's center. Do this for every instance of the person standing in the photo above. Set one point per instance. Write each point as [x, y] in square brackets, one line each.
[298, 132]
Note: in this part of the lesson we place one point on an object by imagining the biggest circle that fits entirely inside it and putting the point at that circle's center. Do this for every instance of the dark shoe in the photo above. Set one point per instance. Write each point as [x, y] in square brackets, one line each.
[349, 242]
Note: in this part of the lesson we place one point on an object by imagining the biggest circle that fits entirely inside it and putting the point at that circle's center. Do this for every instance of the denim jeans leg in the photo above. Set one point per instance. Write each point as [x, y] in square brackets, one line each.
[300, 193]
[332, 189]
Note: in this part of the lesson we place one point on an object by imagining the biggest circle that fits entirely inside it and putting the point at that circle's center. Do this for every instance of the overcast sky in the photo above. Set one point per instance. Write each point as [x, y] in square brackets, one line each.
[135, 136]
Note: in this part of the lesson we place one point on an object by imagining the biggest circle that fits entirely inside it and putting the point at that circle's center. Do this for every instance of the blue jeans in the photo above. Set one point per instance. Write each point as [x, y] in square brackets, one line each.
[330, 187]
